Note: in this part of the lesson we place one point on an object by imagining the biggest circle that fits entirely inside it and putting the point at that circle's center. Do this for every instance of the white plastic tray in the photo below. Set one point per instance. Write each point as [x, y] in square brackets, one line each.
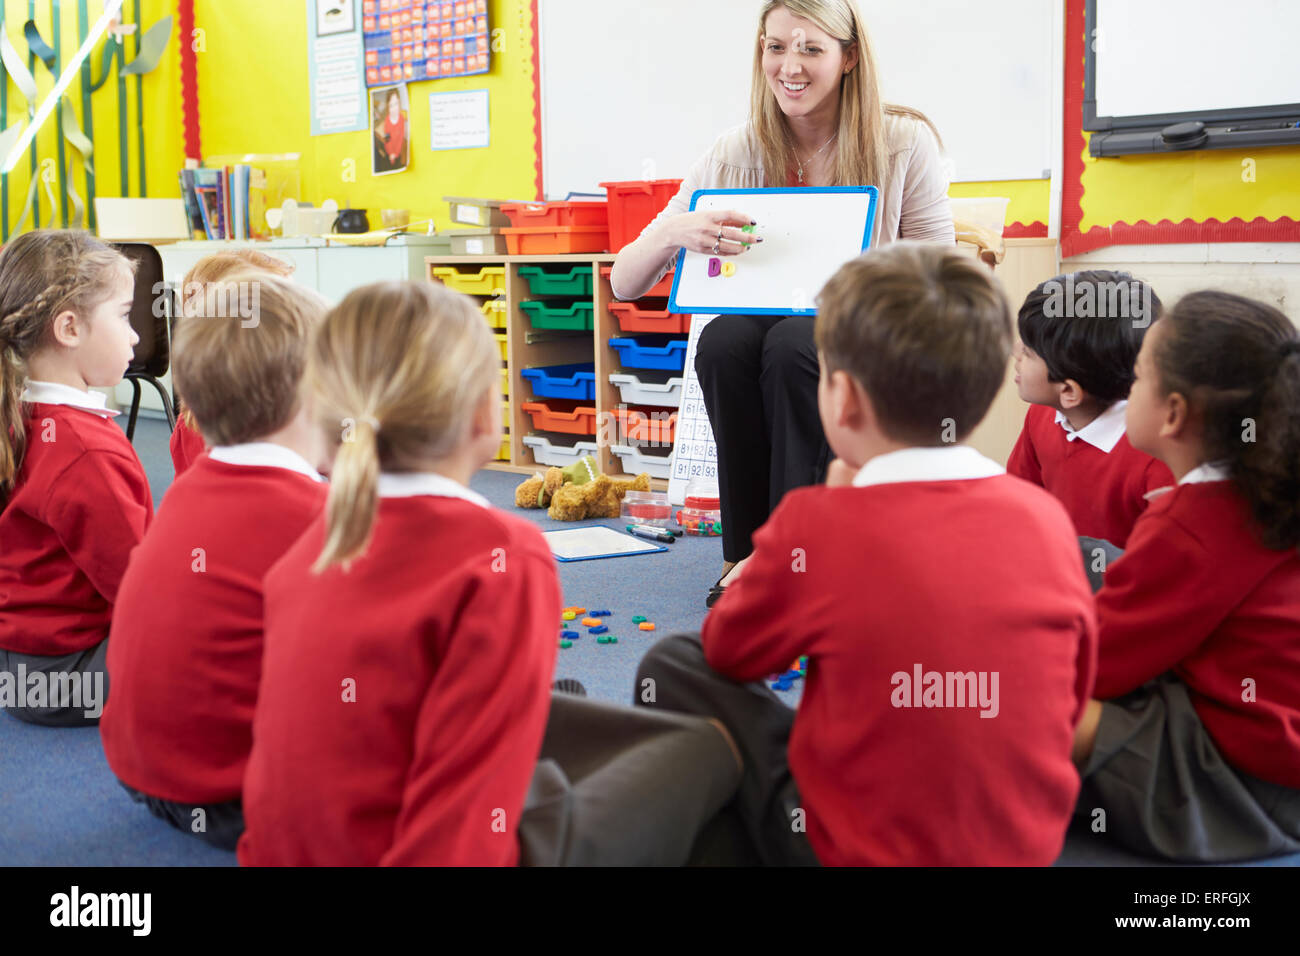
[559, 455]
[636, 392]
[635, 462]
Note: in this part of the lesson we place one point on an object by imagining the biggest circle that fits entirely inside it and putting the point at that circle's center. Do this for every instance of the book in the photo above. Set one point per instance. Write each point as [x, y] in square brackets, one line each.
[192, 210]
[209, 206]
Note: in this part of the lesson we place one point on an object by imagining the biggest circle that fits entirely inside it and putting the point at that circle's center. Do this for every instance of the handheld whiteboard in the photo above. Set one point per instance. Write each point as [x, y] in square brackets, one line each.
[596, 541]
[807, 232]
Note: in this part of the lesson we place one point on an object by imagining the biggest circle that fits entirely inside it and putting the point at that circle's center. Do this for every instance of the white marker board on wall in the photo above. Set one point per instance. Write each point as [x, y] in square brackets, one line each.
[633, 90]
[807, 232]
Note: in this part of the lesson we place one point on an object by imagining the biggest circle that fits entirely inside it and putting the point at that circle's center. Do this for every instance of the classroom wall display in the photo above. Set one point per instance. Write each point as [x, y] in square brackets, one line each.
[335, 16]
[808, 233]
[1224, 195]
[460, 120]
[334, 69]
[410, 40]
[390, 113]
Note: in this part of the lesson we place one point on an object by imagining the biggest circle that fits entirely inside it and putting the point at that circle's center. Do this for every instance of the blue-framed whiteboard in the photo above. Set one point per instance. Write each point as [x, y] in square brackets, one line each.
[808, 233]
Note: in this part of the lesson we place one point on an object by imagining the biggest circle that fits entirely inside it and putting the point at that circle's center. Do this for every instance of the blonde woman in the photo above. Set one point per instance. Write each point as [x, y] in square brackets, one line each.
[816, 119]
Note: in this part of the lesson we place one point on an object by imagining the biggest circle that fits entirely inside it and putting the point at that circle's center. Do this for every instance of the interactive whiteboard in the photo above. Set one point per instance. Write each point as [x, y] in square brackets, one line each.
[808, 233]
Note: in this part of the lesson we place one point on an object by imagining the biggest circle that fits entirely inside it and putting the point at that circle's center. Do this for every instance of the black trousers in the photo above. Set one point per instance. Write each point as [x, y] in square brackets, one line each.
[217, 824]
[759, 376]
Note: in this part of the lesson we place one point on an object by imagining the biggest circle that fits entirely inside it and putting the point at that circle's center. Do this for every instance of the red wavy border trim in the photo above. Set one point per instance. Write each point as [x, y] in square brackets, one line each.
[1022, 230]
[189, 80]
[537, 106]
[1074, 241]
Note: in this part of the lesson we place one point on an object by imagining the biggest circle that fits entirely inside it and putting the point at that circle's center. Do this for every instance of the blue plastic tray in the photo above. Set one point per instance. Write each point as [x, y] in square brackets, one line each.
[634, 354]
[564, 381]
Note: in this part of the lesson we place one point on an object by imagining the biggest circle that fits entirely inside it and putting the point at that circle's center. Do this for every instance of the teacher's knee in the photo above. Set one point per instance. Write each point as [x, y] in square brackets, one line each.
[789, 351]
[724, 340]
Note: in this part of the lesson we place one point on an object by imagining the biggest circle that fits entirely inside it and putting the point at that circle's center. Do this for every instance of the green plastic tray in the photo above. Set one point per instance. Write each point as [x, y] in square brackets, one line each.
[577, 281]
[580, 316]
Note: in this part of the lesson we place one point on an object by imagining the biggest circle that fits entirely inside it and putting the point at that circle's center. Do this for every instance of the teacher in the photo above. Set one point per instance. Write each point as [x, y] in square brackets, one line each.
[816, 119]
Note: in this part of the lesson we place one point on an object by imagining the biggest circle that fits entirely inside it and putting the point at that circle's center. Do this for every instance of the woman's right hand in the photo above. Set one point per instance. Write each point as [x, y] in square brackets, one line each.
[711, 233]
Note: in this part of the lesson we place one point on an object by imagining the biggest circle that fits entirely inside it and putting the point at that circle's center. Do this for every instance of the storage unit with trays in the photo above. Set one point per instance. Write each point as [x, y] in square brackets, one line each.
[486, 285]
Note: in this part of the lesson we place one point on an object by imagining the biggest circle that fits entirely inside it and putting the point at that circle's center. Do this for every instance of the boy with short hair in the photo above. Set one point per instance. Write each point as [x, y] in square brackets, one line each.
[949, 629]
[1079, 337]
[185, 650]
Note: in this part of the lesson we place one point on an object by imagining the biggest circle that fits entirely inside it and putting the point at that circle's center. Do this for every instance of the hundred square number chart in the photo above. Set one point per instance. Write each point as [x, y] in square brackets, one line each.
[695, 456]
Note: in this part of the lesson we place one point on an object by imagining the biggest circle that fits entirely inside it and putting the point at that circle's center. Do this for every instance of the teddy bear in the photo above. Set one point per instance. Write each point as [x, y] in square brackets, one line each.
[578, 491]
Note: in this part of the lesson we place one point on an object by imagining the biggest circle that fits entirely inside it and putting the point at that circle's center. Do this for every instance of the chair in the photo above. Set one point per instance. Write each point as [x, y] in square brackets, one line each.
[151, 317]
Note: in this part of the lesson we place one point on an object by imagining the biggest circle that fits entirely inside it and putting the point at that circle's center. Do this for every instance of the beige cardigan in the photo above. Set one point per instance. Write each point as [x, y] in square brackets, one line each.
[913, 200]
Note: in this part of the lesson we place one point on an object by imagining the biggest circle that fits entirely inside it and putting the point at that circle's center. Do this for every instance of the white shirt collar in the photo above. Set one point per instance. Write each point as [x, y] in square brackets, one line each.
[949, 463]
[412, 483]
[1102, 432]
[264, 454]
[1207, 471]
[54, 393]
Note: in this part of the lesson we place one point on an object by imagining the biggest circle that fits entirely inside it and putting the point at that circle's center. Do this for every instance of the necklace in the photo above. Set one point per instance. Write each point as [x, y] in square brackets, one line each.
[814, 155]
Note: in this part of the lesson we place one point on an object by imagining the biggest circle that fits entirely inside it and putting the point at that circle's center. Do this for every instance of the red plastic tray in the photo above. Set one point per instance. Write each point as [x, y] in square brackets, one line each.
[645, 424]
[555, 240]
[661, 290]
[633, 205]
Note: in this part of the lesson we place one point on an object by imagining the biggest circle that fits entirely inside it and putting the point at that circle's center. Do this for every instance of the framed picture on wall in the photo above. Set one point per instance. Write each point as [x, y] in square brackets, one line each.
[335, 16]
[390, 121]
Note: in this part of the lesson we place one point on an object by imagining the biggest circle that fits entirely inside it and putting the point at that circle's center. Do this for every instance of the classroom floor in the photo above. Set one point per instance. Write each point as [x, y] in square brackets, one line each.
[61, 805]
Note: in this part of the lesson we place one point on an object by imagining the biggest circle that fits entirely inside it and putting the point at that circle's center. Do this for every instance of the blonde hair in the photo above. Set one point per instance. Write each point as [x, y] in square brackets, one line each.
[214, 268]
[926, 332]
[396, 372]
[240, 378]
[861, 156]
[43, 273]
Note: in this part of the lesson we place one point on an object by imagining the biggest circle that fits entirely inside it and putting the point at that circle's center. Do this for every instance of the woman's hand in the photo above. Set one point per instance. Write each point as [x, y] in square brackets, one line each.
[713, 233]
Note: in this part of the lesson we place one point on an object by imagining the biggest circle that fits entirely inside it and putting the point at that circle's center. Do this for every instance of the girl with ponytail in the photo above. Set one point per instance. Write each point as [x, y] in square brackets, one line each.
[410, 633]
[74, 499]
[1195, 753]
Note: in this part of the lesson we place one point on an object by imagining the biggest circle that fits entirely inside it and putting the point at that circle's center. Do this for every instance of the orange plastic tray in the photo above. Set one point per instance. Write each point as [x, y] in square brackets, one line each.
[556, 240]
[649, 315]
[646, 424]
[557, 415]
[552, 214]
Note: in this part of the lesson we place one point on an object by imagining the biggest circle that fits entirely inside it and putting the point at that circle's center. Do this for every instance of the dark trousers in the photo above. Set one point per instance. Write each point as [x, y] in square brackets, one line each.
[765, 805]
[218, 824]
[759, 377]
[88, 667]
[623, 786]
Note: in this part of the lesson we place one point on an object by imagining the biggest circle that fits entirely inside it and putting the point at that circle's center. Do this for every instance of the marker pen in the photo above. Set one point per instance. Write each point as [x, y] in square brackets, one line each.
[651, 534]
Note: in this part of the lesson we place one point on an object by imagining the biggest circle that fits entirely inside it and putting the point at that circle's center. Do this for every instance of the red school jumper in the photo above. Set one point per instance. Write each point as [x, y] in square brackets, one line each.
[979, 575]
[404, 699]
[1196, 593]
[185, 653]
[1104, 492]
[81, 503]
[186, 445]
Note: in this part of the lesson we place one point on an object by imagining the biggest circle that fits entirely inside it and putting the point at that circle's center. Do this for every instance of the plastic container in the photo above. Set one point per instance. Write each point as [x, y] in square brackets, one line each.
[575, 281]
[576, 381]
[505, 383]
[654, 425]
[556, 240]
[632, 206]
[505, 415]
[557, 415]
[633, 353]
[661, 289]
[552, 214]
[633, 391]
[503, 453]
[702, 512]
[477, 242]
[636, 461]
[580, 316]
[501, 342]
[649, 315]
[987, 212]
[477, 212]
[490, 280]
[546, 452]
[646, 507]
[494, 310]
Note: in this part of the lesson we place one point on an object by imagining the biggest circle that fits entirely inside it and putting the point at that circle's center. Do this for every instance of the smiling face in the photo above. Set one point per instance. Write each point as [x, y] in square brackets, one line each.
[394, 107]
[109, 341]
[803, 64]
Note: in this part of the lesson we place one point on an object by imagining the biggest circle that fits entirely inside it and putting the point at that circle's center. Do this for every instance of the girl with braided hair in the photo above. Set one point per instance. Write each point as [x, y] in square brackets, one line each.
[74, 499]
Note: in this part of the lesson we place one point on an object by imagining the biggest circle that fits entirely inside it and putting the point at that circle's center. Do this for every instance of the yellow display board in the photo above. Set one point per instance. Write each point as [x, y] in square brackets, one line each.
[254, 98]
[161, 101]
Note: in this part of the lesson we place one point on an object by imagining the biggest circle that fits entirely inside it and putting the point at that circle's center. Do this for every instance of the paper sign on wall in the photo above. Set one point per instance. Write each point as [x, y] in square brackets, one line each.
[459, 120]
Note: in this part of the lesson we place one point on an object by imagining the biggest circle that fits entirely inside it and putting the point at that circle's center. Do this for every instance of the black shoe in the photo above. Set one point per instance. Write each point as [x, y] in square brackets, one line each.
[715, 592]
[568, 685]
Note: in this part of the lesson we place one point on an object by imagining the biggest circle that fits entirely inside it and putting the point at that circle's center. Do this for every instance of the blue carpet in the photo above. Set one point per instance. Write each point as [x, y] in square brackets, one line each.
[61, 805]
